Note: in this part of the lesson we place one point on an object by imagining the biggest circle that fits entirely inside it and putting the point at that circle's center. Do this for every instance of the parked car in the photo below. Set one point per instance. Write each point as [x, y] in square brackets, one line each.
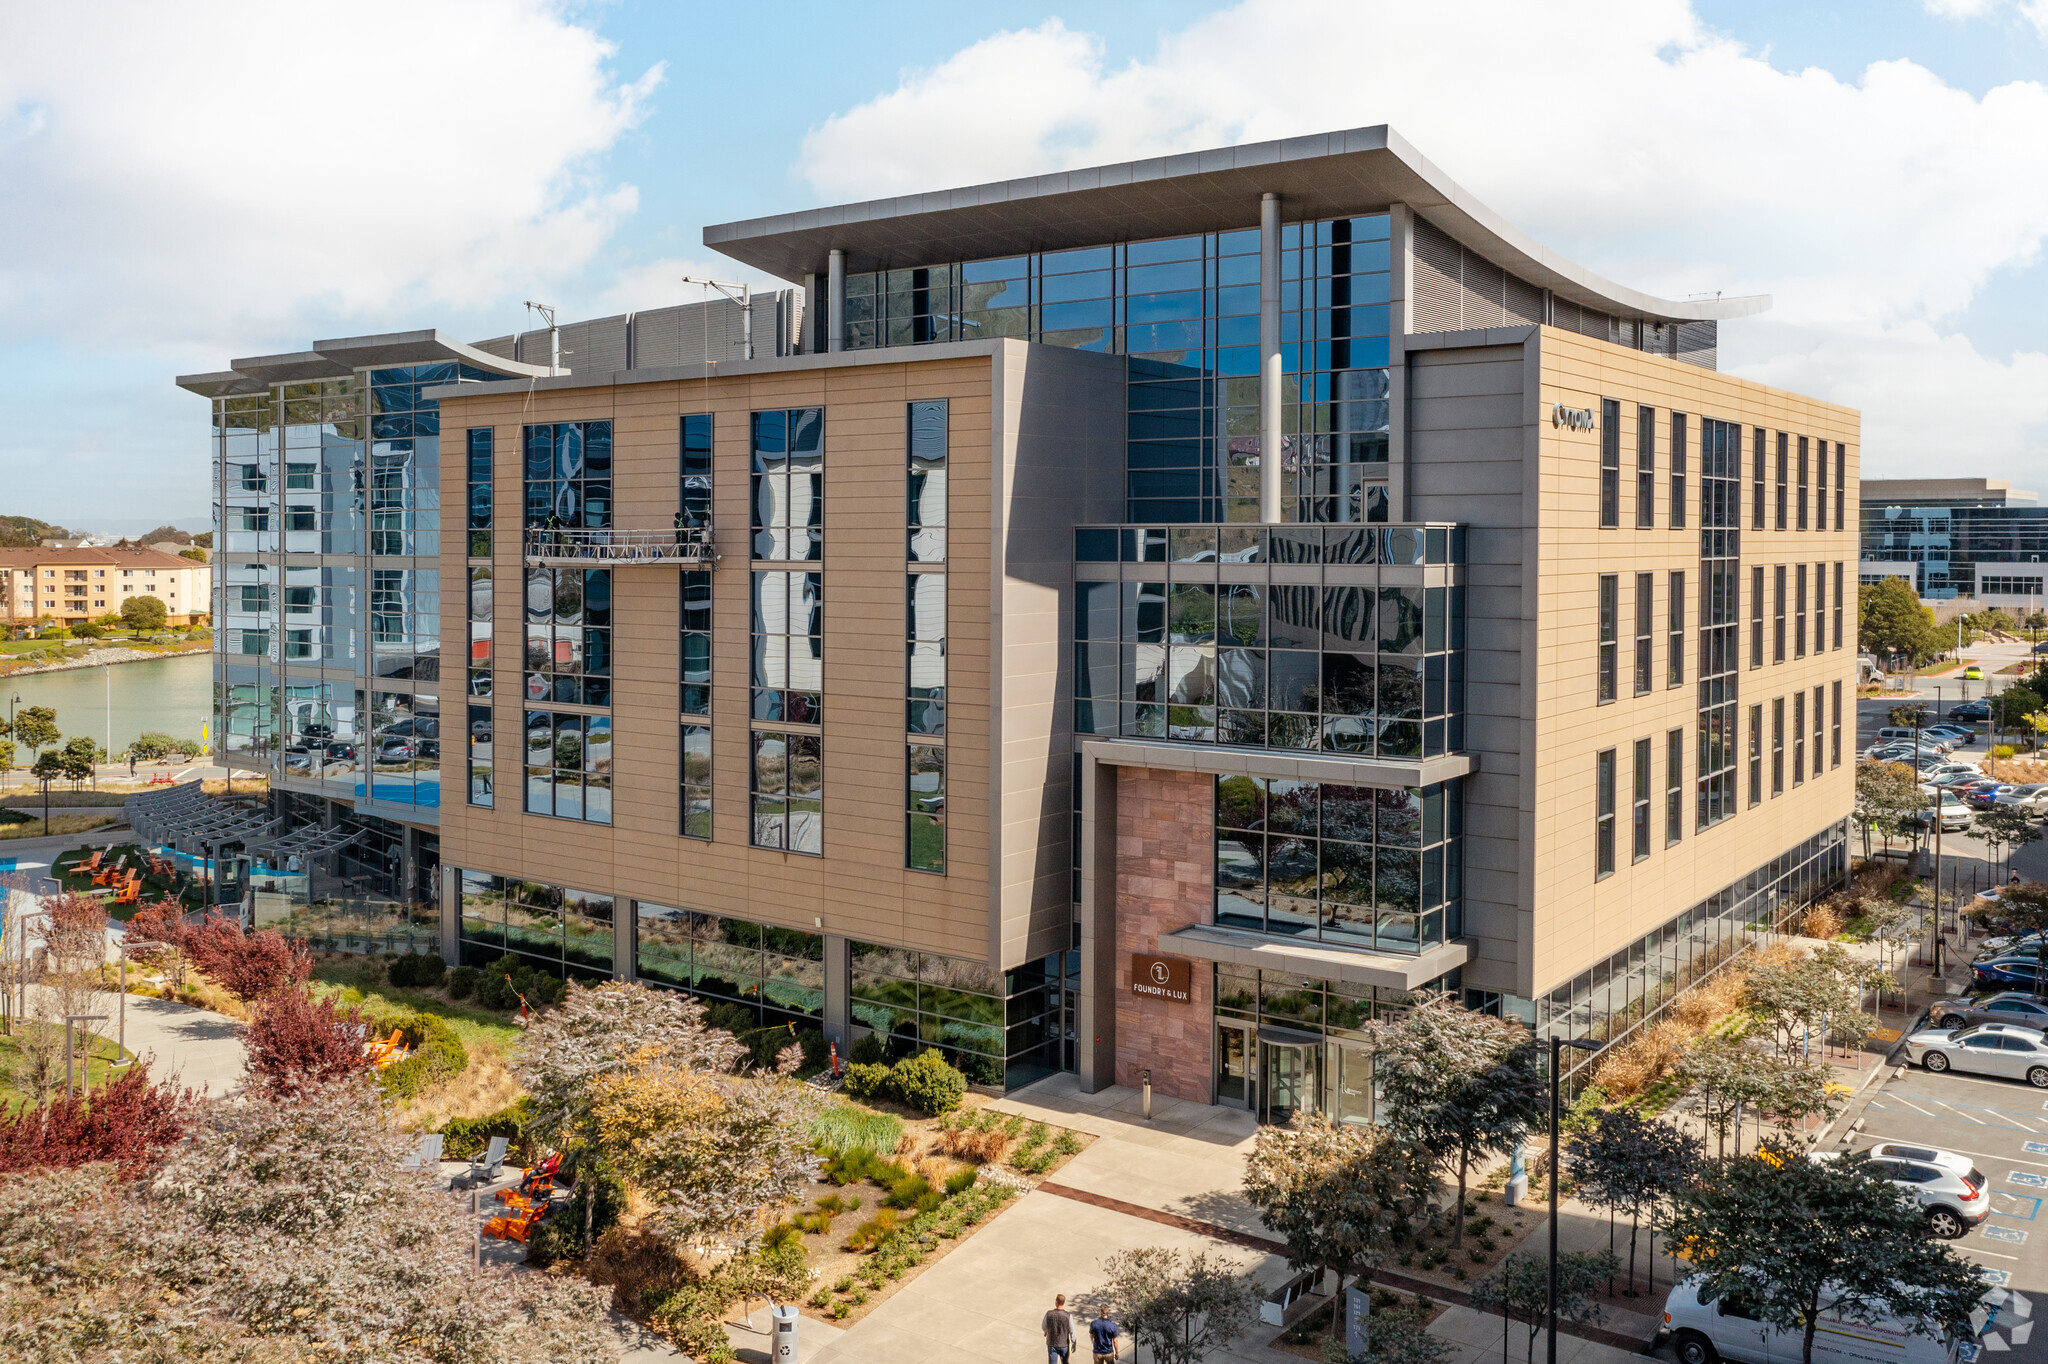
[2002, 1049]
[1983, 795]
[1936, 772]
[2033, 797]
[1703, 1331]
[1953, 734]
[2003, 970]
[1945, 807]
[1904, 734]
[1955, 781]
[2042, 647]
[1978, 712]
[298, 760]
[1948, 1186]
[1973, 673]
[397, 750]
[2013, 1006]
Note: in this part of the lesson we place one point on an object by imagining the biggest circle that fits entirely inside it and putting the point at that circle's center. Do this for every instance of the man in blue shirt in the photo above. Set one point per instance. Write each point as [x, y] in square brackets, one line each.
[1103, 1333]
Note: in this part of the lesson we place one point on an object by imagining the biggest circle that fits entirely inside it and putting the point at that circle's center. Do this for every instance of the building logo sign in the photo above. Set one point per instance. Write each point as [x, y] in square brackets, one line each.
[1577, 418]
[1166, 978]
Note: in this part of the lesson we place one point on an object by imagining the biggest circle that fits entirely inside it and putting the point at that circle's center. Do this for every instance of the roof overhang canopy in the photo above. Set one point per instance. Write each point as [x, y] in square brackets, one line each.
[345, 355]
[1324, 176]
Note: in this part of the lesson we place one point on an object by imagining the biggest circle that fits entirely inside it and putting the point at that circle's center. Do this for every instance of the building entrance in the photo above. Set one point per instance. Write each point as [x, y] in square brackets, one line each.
[1290, 1074]
[1237, 1051]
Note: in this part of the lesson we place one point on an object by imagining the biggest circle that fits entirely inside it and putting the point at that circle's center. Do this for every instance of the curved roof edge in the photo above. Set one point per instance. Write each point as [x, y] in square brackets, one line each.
[342, 356]
[1325, 175]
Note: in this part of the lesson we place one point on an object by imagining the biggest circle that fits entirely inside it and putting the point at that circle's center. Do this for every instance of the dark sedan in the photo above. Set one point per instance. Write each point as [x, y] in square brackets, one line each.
[1977, 711]
[2011, 1007]
[2006, 971]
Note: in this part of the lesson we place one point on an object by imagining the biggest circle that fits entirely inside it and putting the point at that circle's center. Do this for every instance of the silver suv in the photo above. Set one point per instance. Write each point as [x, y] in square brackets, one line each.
[1948, 1187]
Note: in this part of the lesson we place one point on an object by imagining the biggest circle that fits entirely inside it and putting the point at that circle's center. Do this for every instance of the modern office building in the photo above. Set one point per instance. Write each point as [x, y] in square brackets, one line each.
[327, 505]
[1979, 538]
[1160, 617]
[72, 586]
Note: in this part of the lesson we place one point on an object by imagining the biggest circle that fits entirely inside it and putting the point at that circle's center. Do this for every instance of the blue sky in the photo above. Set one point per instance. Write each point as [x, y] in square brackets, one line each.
[180, 196]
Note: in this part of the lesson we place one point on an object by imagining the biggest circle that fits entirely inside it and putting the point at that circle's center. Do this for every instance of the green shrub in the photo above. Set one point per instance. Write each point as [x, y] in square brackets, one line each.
[817, 1052]
[437, 1054]
[505, 980]
[465, 1138]
[871, 1050]
[560, 1234]
[462, 982]
[418, 972]
[960, 1181]
[905, 1192]
[926, 1083]
[864, 1081]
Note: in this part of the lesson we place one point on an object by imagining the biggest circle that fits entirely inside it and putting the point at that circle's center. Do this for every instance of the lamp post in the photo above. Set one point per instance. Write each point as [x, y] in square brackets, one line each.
[1557, 1046]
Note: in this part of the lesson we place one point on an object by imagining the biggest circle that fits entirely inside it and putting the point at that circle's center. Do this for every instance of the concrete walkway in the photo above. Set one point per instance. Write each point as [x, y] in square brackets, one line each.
[198, 1048]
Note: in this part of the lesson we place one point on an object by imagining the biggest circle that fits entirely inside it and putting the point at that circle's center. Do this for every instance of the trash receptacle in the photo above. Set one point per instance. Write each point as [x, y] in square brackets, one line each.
[785, 1334]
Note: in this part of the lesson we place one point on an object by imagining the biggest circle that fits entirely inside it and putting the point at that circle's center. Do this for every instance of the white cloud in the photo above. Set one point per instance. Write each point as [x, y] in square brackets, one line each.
[1874, 205]
[197, 177]
[2034, 12]
[659, 284]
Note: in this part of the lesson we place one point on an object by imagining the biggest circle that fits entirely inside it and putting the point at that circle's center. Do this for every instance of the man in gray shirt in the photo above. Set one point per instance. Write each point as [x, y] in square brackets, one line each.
[1059, 1332]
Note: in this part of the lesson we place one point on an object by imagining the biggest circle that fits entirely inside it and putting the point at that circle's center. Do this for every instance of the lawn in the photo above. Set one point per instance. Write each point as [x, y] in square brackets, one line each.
[365, 975]
[153, 887]
[59, 824]
[96, 1061]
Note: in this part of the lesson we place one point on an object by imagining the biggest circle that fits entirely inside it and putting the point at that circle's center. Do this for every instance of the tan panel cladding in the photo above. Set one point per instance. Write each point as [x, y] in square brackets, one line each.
[859, 887]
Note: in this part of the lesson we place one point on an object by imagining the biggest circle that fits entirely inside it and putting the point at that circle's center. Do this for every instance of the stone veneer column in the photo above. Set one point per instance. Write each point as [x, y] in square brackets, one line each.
[1165, 879]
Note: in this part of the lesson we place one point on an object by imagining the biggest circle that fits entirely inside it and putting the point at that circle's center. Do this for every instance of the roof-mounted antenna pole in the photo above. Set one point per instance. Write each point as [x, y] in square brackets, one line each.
[547, 315]
[744, 297]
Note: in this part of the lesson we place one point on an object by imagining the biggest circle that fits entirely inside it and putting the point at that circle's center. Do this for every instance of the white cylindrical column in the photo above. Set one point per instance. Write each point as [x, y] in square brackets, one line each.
[1269, 358]
[835, 305]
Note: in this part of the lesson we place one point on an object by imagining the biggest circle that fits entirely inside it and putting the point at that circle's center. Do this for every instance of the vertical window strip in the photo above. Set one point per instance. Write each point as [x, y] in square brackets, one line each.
[1838, 603]
[1645, 615]
[1799, 611]
[1835, 728]
[1610, 590]
[924, 846]
[482, 772]
[1756, 616]
[1674, 786]
[1756, 756]
[481, 482]
[1805, 480]
[1820, 504]
[1675, 666]
[1778, 613]
[1610, 462]
[694, 616]
[1641, 823]
[694, 763]
[1784, 480]
[1841, 492]
[786, 784]
[1820, 725]
[1719, 589]
[786, 455]
[1678, 470]
[1777, 746]
[1603, 819]
[1757, 479]
[1646, 468]
[1799, 737]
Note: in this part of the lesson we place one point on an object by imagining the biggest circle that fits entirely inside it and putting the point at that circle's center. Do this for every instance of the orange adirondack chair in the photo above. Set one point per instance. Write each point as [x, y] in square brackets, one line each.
[90, 864]
[107, 876]
[516, 1228]
[131, 892]
[384, 1051]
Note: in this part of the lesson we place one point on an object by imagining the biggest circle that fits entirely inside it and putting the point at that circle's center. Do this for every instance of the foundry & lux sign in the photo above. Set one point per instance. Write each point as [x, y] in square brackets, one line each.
[1166, 978]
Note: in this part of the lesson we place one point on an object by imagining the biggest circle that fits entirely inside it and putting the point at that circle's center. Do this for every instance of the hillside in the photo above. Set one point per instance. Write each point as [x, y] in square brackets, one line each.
[25, 532]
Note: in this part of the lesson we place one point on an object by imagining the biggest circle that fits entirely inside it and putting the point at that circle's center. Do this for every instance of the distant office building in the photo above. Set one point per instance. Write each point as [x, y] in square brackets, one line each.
[1160, 618]
[327, 490]
[71, 586]
[1956, 537]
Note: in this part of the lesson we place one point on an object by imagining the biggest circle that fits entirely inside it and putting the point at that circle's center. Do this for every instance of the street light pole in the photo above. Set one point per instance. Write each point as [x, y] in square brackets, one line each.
[1557, 1046]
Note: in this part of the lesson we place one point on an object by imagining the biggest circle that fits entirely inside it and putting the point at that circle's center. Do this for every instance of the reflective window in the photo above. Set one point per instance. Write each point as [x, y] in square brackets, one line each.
[1361, 866]
[925, 835]
[779, 970]
[480, 485]
[695, 766]
[788, 484]
[569, 766]
[568, 931]
[569, 475]
[696, 641]
[925, 629]
[787, 788]
[568, 635]
[787, 658]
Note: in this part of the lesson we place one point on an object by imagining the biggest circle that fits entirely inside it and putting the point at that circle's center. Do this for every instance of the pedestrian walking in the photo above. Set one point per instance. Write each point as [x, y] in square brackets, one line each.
[1059, 1332]
[1102, 1334]
[131, 767]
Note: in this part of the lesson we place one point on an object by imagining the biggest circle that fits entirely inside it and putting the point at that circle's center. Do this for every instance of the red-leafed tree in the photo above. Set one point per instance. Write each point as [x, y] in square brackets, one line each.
[246, 965]
[128, 1122]
[296, 1043]
[162, 921]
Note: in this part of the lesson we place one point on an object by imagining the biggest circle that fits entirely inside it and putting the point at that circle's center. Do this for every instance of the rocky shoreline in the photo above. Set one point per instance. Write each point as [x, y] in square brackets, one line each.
[100, 658]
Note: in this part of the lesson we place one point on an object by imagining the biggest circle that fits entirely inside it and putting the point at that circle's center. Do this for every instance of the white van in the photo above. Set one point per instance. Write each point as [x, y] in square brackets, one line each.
[1702, 1332]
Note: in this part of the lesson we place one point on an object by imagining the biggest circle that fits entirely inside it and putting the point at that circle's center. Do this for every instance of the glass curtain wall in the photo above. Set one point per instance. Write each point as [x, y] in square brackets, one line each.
[924, 846]
[568, 932]
[1186, 310]
[1720, 581]
[779, 972]
[568, 625]
[1002, 1028]
[1344, 640]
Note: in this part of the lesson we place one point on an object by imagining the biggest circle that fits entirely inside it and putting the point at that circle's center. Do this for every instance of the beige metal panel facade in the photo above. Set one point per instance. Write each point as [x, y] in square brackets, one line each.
[1005, 891]
[1576, 920]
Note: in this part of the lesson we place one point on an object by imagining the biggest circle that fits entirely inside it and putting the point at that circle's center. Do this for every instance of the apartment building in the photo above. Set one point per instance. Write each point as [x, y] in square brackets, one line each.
[71, 586]
[1154, 619]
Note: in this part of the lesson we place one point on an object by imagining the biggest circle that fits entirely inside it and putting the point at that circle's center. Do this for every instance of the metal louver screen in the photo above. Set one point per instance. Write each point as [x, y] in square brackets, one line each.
[1698, 344]
[1524, 302]
[1484, 293]
[500, 346]
[657, 339]
[1438, 280]
[594, 347]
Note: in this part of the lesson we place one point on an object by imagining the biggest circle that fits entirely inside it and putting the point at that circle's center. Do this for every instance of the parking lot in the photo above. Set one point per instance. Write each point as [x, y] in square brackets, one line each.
[2002, 1125]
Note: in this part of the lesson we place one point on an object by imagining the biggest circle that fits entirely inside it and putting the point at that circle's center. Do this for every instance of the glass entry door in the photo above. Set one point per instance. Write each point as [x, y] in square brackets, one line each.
[1290, 1081]
[1236, 1080]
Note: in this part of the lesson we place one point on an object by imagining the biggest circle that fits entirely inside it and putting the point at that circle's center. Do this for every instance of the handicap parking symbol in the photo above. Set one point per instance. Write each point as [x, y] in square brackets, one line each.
[2010, 1235]
[2027, 1178]
[2035, 1148]
[1997, 1278]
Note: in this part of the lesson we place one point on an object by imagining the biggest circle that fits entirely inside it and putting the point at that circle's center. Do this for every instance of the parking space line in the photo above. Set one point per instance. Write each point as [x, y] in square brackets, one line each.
[2022, 1209]
[2020, 1115]
[1960, 1122]
[1900, 1098]
[1874, 1138]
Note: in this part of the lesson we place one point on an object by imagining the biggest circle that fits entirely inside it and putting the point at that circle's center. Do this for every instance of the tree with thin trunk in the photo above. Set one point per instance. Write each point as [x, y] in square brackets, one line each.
[1460, 1084]
[1727, 1077]
[1627, 1163]
[2023, 909]
[1340, 1196]
[1519, 1289]
[1799, 1239]
[1182, 1307]
[1887, 798]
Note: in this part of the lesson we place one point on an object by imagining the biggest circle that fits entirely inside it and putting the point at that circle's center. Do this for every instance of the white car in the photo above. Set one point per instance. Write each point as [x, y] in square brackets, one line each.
[2003, 1049]
[1951, 768]
[1958, 735]
[1726, 1328]
[1954, 814]
[2032, 798]
[1950, 1187]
